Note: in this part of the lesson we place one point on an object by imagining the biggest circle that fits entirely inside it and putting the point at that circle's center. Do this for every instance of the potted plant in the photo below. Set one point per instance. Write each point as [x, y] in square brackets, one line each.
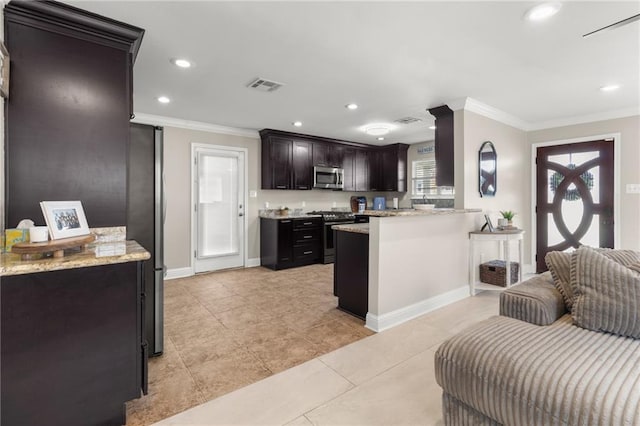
[508, 214]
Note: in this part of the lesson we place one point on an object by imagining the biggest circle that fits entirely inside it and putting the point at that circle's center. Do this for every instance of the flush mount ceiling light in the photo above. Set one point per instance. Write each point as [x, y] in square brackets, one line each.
[380, 138]
[297, 123]
[377, 129]
[542, 11]
[610, 87]
[180, 62]
[432, 127]
[163, 99]
[351, 106]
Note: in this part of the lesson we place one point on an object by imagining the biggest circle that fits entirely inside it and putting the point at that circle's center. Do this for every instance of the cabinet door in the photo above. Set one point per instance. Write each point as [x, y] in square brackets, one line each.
[285, 242]
[388, 170]
[302, 165]
[375, 174]
[361, 173]
[348, 163]
[320, 154]
[280, 160]
[336, 155]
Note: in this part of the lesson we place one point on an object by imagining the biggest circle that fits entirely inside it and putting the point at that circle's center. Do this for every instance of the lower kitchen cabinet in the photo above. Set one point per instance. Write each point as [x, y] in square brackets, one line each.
[72, 345]
[351, 272]
[290, 242]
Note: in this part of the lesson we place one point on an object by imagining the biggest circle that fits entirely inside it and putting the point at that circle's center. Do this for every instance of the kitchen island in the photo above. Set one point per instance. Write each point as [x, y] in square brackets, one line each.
[73, 349]
[417, 261]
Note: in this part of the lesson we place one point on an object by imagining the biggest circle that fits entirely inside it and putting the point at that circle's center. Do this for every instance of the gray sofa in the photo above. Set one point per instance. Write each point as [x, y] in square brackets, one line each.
[532, 366]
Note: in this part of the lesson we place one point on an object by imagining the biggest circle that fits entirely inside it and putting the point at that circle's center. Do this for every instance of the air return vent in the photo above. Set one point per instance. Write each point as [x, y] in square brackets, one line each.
[407, 120]
[264, 85]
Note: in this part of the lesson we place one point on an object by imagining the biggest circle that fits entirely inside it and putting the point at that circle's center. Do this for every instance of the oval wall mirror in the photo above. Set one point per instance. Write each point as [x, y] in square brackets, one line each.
[488, 166]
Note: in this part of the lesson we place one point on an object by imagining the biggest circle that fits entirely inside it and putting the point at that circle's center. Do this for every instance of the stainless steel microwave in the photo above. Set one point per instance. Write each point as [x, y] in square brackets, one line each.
[328, 177]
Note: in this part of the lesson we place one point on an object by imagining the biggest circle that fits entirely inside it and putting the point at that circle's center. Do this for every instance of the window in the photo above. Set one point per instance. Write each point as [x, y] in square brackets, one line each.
[424, 177]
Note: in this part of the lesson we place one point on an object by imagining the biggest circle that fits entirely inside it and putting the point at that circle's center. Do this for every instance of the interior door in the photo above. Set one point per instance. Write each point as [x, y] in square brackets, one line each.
[574, 197]
[219, 209]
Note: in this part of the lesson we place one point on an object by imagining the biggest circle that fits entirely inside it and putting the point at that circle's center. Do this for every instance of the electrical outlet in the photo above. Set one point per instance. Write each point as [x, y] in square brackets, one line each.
[335, 204]
[253, 194]
[633, 188]
[304, 204]
[266, 204]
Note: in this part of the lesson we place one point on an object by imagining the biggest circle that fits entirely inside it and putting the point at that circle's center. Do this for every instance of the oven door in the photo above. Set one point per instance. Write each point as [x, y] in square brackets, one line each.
[328, 177]
[328, 246]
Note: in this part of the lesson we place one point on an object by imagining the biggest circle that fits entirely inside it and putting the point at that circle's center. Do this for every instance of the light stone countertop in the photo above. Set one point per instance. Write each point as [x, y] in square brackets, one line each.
[291, 216]
[95, 255]
[412, 212]
[358, 228]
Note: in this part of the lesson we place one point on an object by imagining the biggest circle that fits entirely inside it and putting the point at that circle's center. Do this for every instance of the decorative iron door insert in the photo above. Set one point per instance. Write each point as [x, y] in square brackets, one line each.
[574, 199]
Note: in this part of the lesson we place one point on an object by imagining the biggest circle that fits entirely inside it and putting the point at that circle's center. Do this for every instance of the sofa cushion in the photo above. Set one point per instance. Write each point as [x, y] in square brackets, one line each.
[536, 301]
[559, 264]
[606, 294]
[518, 373]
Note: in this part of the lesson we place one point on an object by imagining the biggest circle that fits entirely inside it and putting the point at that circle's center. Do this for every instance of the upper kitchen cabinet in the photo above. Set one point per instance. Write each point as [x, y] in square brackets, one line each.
[444, 145]
[67, 116]
[302, 168]
[328, 154]
[276, 162]
[393, 168]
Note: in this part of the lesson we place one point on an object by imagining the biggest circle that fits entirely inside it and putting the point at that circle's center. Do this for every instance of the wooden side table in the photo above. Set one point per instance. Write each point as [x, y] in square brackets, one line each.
[504, 239]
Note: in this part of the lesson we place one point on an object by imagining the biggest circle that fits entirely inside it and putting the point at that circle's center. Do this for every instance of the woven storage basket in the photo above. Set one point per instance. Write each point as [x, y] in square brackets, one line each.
[494, 272]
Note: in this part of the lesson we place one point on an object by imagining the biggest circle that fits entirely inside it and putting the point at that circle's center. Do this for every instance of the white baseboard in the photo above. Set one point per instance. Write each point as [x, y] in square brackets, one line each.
[178, 273]
[253, 262]
[382, 322]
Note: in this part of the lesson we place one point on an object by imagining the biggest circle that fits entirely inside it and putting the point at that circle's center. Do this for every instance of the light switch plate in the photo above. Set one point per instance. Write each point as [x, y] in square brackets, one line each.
[253, 194]
[633, 188]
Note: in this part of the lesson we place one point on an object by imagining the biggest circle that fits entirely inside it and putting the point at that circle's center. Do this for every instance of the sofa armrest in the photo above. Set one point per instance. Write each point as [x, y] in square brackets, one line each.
[535, 301]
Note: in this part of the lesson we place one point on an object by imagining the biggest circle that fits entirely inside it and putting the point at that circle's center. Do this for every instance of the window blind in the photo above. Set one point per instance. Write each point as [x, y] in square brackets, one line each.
[424, 177]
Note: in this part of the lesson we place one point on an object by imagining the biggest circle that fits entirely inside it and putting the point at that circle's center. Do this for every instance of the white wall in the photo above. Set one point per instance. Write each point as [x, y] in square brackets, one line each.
[629, 129]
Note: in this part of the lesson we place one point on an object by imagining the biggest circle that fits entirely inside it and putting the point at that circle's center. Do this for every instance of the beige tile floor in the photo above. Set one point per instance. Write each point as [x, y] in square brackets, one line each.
[226, 330]
[384, 379]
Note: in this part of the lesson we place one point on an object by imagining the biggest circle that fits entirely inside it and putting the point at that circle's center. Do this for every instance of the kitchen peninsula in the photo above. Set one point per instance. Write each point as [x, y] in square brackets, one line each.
[72, 335]
[417, 261]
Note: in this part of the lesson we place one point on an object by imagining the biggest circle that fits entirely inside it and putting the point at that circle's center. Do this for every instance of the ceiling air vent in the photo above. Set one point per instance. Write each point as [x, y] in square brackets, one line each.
[407, 120]
[264, 85]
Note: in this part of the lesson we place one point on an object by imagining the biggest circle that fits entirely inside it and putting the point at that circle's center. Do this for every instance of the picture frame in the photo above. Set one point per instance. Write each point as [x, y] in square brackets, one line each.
[488, 224]
[5, 62]
[65, 219]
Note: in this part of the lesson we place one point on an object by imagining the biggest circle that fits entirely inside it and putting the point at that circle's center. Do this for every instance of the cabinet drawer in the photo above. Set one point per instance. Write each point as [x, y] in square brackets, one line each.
[314, 222]
[304, 236]
[304, 252]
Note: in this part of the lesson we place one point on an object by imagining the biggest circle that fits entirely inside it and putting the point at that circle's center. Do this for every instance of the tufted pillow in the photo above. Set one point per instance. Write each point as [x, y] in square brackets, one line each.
[559, 264]
[606, 293]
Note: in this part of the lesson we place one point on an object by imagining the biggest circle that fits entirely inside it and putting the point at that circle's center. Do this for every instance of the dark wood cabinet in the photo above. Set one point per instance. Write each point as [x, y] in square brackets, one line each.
[444, 145]
[287, 243]
[72, 344]
[288, 160]
[302, 165]
[351, 272]
[67, 117]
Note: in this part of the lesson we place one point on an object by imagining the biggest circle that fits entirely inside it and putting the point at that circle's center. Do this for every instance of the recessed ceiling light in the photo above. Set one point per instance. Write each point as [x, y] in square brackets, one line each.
[164, 100]
[380, 138]
[351, 106]
[182, 63]
[377, 129]
[297, 123]
[432, 127]
[610, 87]
[542, 11]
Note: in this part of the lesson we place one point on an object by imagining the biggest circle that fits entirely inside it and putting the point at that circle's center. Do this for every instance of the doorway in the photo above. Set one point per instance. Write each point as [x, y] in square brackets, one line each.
[574, 197]
[218, 194]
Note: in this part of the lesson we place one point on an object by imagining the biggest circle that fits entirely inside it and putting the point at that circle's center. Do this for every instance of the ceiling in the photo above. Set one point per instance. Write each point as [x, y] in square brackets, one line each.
[394, 59]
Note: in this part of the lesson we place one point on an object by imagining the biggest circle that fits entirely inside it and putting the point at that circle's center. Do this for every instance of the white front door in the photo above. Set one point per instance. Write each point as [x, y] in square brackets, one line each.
[218, 193]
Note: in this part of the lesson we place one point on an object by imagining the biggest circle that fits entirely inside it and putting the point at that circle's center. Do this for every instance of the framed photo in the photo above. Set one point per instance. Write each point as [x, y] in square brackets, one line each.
[4, 71]
[64, 219]
[489, 225]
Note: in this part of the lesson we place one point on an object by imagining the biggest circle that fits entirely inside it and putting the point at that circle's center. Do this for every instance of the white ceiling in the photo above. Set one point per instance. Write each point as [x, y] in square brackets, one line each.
[394, 59]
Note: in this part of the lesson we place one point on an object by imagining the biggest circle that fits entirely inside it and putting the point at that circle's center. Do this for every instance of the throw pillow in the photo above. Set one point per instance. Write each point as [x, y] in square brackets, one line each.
[607, 293]
[559, 264]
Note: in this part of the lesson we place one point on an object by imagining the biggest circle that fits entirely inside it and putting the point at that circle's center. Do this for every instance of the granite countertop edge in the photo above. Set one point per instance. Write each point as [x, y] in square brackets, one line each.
[358, 228]
[432, 212]
[127, 251]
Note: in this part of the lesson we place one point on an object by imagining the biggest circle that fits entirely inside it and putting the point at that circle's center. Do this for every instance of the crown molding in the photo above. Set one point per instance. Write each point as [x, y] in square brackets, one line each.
[159, 120]
[590, 118]
[488, 111]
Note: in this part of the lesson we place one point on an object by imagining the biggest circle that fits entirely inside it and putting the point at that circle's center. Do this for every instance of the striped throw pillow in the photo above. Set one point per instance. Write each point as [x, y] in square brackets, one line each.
[607, 293]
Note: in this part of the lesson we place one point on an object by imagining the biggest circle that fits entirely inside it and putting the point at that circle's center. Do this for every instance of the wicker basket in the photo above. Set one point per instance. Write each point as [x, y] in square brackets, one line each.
[494, 272]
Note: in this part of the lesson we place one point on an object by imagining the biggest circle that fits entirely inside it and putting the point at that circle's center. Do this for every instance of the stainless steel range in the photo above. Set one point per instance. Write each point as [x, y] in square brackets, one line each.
[330, 218]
